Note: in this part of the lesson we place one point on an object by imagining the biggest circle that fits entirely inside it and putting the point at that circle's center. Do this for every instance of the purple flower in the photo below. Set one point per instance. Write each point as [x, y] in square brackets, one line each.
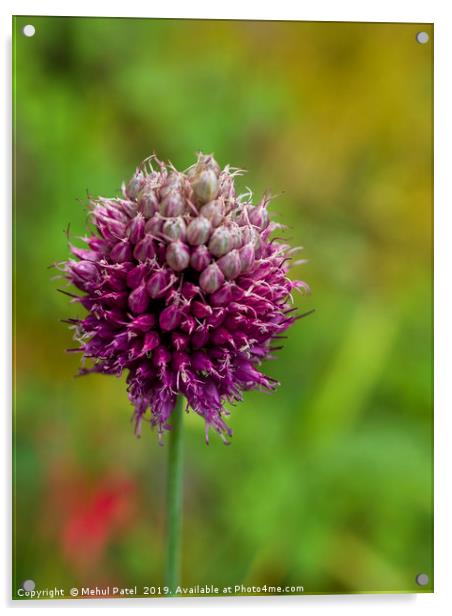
[185, 290]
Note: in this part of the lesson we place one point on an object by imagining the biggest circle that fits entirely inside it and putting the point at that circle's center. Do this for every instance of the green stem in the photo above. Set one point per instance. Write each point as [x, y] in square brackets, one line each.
[174, 499]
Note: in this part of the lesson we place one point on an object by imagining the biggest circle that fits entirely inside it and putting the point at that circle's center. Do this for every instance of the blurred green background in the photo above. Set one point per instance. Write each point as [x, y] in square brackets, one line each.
[328, 482]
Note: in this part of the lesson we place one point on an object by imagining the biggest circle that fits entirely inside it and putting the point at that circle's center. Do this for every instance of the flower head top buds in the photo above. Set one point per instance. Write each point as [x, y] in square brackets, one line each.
[185, 290]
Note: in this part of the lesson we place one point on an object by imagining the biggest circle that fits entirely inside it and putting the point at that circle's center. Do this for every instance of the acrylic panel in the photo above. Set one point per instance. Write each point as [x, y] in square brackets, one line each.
[180, 282]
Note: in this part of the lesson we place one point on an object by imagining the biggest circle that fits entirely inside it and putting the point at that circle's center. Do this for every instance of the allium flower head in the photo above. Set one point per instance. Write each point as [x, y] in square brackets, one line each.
[185, 290]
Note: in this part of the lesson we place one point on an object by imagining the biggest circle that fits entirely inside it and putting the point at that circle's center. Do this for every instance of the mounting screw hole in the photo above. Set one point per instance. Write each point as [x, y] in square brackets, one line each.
[422, 579]
[29, 585]
[422, 37]
[28, 30]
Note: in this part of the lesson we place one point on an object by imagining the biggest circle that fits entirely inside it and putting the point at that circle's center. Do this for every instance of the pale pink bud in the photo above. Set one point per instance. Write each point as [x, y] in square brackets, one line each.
[130, 208]
[220, 242]
[258, 216]
[177, 256]
[135, 184]
[111, 208]
[204, 161]
[145, 248]
[227, 187]
[148, 203]
[174, 228]
[154, 224]
[200, 258]
[135, 229]
[214, 212]
[172, 205]
[230, 264]
[211, 278]
[198, 231]
[110, 228]
[172, 182]
[248, 233]
[251, 235]
[236, 235]
[247, 257]
[204, 185]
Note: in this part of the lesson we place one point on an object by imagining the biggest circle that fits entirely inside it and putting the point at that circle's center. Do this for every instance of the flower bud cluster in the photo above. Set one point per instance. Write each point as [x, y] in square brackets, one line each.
[184, 289]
